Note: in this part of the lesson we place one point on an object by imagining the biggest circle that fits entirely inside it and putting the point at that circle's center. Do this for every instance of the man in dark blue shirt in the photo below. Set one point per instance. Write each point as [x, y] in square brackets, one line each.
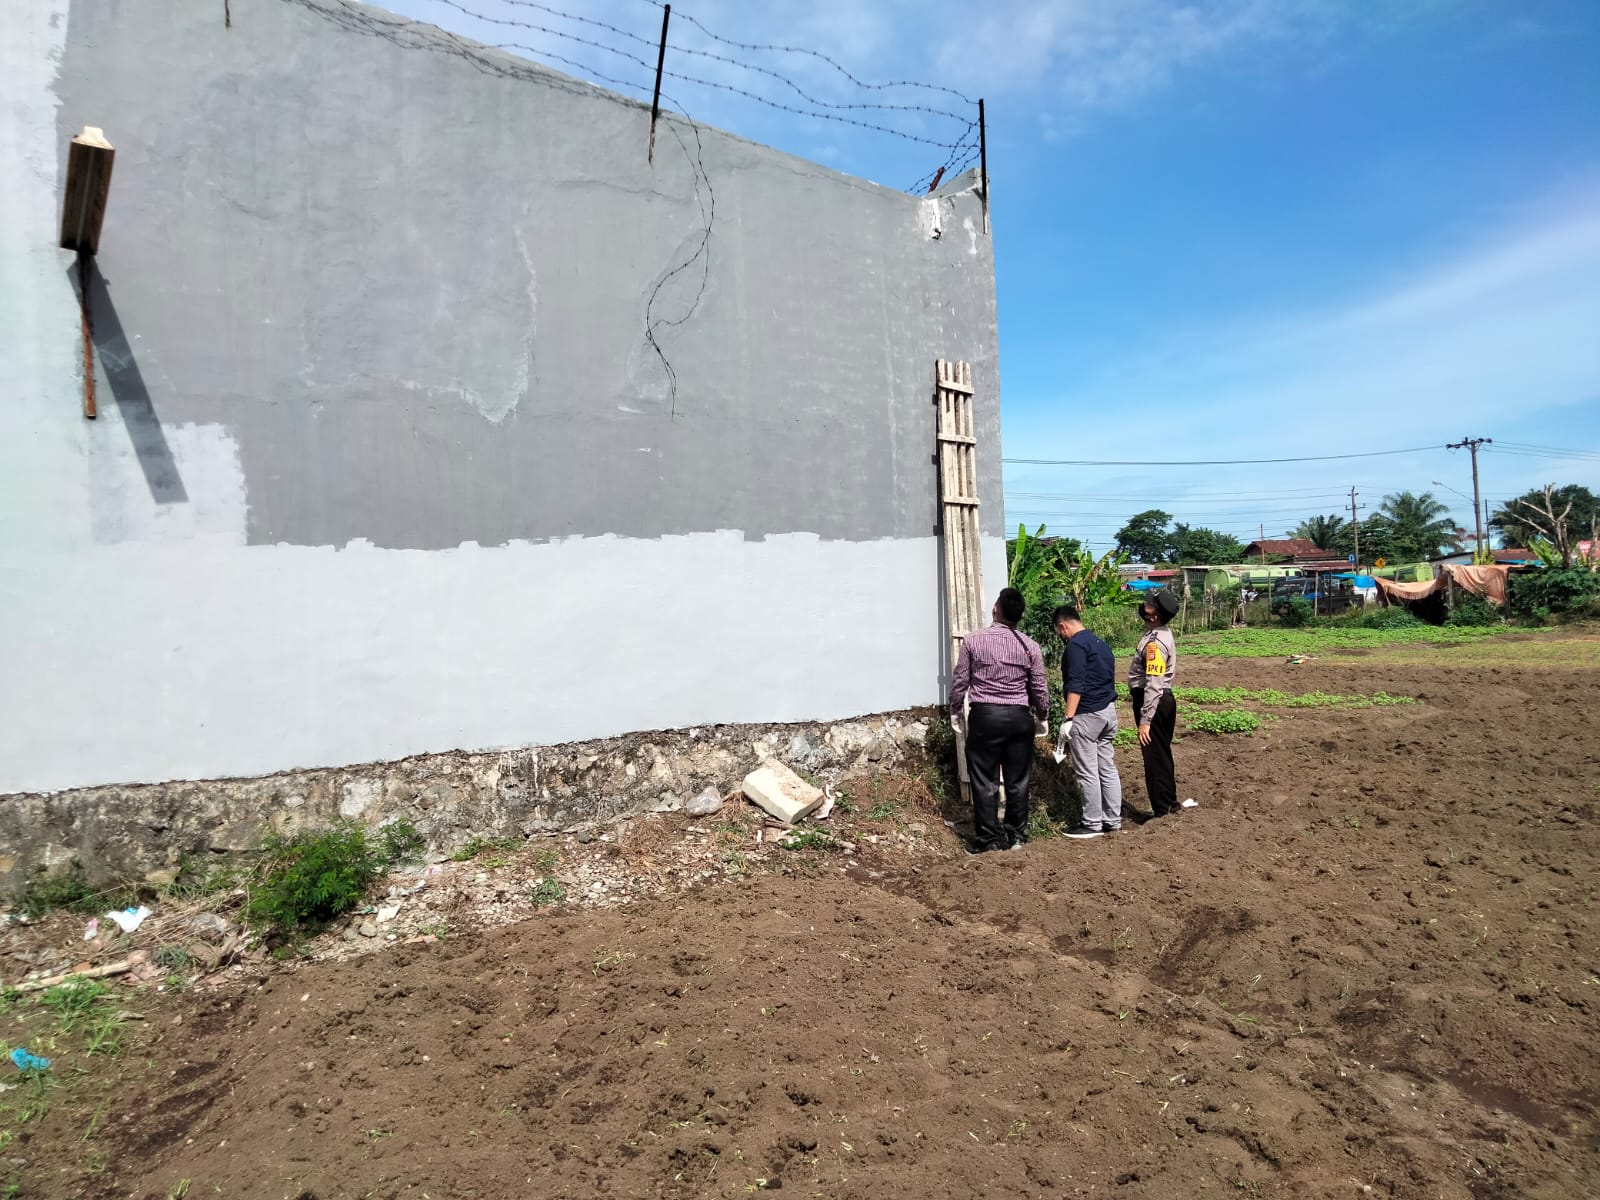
[1089, 691]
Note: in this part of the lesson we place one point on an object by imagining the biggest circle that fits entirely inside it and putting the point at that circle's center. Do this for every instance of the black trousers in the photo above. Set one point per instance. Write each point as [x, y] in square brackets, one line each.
[999, 738]
[1160, 778]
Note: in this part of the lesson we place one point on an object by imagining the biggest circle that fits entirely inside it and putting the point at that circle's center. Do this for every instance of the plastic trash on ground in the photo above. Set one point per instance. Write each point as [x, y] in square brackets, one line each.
[92, 929]
[1190, 803]
[130, 918]
[29, 1062]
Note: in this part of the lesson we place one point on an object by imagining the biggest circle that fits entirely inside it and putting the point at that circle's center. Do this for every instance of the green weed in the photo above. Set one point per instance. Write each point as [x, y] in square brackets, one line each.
[475, 846]
[548, 891]
[307, 879]
[45, 891]
[883, 810]
[73, 1001]
[808, 840]
[1210, 695]
[1273, 643]
[1230, 720]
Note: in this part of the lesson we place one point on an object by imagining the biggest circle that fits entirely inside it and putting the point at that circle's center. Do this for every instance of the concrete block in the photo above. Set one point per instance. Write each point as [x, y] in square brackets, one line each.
[781, 792]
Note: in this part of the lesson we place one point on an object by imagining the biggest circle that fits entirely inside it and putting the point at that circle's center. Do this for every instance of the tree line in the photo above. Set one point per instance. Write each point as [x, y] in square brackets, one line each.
[1407, 527]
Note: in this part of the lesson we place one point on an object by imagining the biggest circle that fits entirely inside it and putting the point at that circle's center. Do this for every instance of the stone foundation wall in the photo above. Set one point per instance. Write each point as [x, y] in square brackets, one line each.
[129, 832]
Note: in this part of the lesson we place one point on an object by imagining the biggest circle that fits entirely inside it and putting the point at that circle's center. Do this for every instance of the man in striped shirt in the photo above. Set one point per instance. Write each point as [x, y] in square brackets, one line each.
[1000, 673]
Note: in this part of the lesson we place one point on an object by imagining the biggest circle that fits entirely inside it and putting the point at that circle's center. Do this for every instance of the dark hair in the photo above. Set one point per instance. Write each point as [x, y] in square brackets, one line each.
[1012, 605]
[1065, 613]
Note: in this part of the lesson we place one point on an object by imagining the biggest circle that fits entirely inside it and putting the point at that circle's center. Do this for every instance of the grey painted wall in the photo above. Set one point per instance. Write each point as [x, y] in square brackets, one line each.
[414, 278]
[386, 463]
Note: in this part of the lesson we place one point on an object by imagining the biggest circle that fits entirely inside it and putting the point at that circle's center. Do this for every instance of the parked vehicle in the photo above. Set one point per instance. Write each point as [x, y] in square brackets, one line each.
[1327, 596]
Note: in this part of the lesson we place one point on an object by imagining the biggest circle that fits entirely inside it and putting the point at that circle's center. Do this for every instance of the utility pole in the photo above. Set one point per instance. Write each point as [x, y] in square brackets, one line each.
[1355, 523]
[1263, 529]
[1472, 444]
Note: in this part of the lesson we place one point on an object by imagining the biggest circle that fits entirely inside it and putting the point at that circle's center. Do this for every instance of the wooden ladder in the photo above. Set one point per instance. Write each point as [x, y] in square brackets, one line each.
[958, 499]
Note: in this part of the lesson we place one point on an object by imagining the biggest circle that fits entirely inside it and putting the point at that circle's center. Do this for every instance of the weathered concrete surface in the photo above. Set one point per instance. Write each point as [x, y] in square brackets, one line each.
[417, 280]
[125, 833]
[386, 464]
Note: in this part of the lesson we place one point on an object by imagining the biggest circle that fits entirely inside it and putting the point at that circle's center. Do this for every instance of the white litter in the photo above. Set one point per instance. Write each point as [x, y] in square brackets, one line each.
[387, 913]
[91, 929]
[1190, 803]
[130, 918]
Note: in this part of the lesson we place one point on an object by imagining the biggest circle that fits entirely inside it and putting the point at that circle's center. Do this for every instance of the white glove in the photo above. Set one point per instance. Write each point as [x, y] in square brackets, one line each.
[1061, 740]
[1041, 727]
[958, 722]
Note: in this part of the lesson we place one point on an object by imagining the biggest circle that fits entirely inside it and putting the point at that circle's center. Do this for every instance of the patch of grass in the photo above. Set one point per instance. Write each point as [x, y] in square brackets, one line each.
[46, 890]
[883, 810]
[546, 860]
[1126, 735]
[1210, 695]
[808, 839]
[1229, 720]
[548, 891]
[103, 1034]
[73, 1001]
[202, 877]
[309, 878]
[475, 846]
[174, 957]
[1040, 827]
[1273, 643]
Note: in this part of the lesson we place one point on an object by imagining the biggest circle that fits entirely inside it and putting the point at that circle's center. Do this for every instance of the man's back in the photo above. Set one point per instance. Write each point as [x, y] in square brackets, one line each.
[1089, 668]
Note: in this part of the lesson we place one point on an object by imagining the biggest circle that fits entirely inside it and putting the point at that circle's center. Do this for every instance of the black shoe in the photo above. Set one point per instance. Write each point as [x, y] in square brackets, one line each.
[1138, 815]
[974, 851]
[1110, 828]
[1082, 832]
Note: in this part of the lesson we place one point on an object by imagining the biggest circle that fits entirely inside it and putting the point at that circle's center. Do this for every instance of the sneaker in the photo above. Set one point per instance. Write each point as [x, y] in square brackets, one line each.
[1110, 828]
[1017, 846]
[1082, 832]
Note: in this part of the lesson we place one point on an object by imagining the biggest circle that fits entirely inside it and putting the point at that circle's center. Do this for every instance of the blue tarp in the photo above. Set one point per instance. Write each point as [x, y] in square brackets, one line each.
[1144, 585]
[1361, 581]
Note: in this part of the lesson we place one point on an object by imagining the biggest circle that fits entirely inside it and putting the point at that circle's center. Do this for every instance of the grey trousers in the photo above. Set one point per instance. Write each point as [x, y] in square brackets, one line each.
[1095, 765]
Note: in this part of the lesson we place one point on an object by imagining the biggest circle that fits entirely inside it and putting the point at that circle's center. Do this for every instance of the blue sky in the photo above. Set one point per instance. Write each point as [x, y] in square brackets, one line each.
[1224, 229]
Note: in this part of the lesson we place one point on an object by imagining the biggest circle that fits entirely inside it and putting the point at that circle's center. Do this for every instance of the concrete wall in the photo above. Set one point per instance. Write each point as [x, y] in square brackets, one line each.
[434, 417]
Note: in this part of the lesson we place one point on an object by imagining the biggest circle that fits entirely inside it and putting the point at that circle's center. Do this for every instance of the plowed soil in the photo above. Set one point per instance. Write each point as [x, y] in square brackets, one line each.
[1365, 965]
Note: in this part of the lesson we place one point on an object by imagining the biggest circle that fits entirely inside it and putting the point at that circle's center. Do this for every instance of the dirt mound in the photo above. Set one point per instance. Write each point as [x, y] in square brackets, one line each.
[1365, 965]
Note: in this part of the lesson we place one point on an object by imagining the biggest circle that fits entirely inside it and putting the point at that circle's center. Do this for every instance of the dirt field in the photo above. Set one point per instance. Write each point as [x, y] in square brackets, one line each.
[1366, 965]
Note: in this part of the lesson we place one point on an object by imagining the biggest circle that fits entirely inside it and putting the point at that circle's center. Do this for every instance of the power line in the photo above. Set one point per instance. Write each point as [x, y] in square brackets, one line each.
[1211, 462]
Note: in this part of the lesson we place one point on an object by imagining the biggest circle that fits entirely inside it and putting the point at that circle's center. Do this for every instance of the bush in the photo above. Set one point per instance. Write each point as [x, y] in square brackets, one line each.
[1296, 613]
[1387, 617]
[310, 878]
[1561, 592]
[1118, 624]
[1474, 612]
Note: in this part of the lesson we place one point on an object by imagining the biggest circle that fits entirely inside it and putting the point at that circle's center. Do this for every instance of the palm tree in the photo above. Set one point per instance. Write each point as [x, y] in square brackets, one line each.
[1418, 525]
[1325, 533]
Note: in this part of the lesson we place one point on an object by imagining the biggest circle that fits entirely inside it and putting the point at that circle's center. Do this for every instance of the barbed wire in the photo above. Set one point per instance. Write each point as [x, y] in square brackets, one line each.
[949, 165]
[820, 109]
[816, 54]
[653, 44]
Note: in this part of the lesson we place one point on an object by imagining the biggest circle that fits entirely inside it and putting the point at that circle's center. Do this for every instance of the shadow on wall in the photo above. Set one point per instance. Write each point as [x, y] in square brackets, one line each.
[121, 374]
